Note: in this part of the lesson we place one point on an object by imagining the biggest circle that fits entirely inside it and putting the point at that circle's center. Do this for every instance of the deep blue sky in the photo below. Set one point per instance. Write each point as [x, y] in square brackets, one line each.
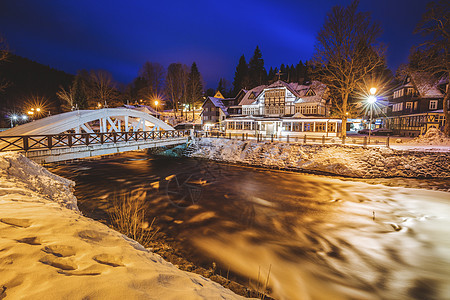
[120, 35]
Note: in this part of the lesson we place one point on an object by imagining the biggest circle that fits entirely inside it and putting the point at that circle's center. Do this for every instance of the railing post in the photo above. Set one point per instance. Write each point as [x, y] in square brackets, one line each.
[304, 139]
[160, 135]
[323, 140]
[153, 135]
[114, 137]
[229, 135]
[126, 136]
[136, 137]
[365, 141]
[287, 139]
[271, 138]
[145, 135]
[102, 137]
[387, 141]
[25, 143]
[49, 141]
[343, 140]
[86, 139]
[69, 140]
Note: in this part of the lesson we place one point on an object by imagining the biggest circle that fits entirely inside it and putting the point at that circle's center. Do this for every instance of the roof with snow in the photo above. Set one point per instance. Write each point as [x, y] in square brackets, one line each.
[217, 102]
[313, 92]
[251, 95]
[425, 83]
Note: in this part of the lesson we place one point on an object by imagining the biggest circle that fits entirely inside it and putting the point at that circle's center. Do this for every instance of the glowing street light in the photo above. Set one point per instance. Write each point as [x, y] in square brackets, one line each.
[371, 100]
[24, 117]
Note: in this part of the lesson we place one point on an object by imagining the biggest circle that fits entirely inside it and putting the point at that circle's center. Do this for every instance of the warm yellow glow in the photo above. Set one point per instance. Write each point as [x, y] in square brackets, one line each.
[30, 112]
[156, 102]
[32, 109]
[38, 109]
[373, 90]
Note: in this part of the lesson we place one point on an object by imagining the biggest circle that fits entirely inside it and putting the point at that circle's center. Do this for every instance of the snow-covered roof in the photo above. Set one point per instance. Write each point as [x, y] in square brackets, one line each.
[217, 102]
[300, 91]
[425, 83]
[247, 100]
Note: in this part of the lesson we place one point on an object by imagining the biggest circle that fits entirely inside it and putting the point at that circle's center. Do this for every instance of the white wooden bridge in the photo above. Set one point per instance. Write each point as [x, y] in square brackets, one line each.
[87, 133]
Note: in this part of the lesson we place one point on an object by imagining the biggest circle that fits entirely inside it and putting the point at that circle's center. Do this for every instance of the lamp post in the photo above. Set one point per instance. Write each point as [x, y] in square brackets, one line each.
[371, 100]
[156, 108]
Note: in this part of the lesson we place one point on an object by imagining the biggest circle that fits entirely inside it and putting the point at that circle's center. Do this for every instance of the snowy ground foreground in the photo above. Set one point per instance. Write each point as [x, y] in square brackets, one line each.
[48, 250]
[352, 161]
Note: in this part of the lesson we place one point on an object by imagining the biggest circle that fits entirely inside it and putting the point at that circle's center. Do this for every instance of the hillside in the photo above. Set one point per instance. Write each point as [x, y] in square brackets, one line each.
[29, 82]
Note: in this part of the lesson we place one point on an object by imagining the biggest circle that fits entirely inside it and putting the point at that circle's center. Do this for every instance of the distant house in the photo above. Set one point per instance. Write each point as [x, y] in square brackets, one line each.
[416, 105]
[213, 113]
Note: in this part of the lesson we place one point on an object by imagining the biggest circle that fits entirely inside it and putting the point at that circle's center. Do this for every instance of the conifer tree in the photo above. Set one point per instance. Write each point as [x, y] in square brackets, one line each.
[241, 80]
[257, 72]
[80, 99]
[195, 86]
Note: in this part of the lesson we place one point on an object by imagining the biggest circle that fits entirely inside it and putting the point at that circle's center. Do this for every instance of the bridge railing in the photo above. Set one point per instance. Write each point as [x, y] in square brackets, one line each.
[64, 140]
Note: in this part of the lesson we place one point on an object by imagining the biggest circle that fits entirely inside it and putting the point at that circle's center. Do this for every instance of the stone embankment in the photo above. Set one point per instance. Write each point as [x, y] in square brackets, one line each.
[351, 161]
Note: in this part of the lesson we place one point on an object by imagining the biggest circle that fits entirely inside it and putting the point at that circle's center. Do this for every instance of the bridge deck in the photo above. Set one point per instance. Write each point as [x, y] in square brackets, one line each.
[66, 146]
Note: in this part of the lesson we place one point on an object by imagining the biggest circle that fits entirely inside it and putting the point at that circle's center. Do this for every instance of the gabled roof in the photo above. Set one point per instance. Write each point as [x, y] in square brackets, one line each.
[317, 89]
[217, 102]
[425, 83]
[247, 100]
[218, 95]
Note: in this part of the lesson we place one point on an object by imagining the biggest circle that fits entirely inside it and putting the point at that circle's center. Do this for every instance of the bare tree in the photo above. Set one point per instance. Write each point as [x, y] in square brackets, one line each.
[153, 74]
[176, 82]
[346, 52]
[433, 56]
[102, 87]
[3, 56]
[67, 96]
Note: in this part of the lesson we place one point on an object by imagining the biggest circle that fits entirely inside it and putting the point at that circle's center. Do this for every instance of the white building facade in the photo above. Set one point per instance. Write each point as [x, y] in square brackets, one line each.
[283, 109]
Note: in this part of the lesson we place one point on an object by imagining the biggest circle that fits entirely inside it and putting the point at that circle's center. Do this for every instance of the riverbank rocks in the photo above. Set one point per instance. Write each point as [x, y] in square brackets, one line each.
[344, 160]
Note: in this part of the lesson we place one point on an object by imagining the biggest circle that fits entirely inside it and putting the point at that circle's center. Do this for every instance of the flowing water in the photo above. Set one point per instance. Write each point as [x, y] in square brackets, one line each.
[321, 237]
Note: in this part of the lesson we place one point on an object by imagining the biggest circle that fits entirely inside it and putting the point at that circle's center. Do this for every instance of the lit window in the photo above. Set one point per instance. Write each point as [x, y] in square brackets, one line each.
[433, 104]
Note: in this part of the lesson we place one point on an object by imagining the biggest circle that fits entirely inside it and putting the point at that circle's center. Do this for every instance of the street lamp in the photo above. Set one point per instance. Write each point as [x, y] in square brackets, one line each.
[371, 100]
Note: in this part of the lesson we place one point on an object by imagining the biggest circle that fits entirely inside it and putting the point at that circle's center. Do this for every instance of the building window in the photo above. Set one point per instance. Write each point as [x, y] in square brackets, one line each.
[309, 126]
[320, 127]
[247, 125]
[433, 104]
[409, 105]
[287, 126]
[331, 127]
[298, 127]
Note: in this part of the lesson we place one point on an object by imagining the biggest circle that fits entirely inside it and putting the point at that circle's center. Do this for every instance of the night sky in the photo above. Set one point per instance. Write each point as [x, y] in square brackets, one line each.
[119, 36]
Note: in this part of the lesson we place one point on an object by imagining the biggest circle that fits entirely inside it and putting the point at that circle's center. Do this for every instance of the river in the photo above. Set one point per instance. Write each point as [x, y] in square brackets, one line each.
[321, 237]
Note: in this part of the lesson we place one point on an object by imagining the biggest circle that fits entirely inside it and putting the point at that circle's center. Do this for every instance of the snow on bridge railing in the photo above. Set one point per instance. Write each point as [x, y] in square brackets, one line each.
[39, 142]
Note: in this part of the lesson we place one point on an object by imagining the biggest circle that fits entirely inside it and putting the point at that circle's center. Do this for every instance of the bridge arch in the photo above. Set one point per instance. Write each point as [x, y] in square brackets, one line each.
[90, 121]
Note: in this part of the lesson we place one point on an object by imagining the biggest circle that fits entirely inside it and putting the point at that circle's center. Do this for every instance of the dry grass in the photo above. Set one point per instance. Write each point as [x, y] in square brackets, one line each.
[128, 216]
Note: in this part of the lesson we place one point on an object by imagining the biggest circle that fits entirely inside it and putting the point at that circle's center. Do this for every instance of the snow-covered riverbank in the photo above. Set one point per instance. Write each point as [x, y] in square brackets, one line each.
[349, 161]
[48, 250]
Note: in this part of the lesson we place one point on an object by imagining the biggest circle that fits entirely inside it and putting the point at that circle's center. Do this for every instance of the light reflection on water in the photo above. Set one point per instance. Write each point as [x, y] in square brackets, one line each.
[323, 238]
